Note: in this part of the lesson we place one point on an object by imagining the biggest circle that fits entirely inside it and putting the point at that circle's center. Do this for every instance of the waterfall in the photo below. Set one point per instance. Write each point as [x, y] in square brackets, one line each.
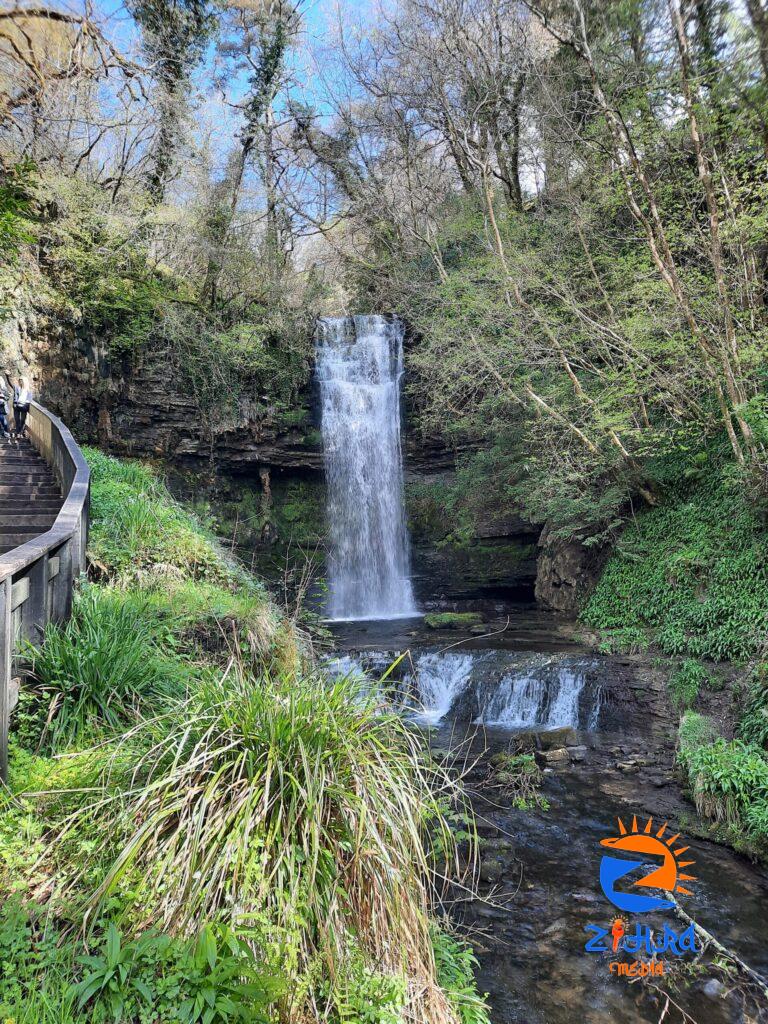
[359, 365]
[549, 699]
[493, 688]
[440, 679]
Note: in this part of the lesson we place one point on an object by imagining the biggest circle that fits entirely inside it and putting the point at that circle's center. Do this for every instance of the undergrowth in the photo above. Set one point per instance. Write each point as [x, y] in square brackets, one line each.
[690, 575]
[194, 812]
[728, 780]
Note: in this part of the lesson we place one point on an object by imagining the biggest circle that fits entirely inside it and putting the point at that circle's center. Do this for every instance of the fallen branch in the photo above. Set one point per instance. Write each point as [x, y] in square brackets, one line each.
[710, 940]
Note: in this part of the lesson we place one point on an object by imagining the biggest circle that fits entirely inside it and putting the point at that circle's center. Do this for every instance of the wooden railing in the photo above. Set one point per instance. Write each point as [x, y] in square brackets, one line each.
[37, 578]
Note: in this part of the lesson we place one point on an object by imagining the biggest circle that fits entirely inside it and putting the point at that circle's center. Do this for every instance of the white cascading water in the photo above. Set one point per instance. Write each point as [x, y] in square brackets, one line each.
[440, 679]
[359, 366]
[534, 695]
[523, 700]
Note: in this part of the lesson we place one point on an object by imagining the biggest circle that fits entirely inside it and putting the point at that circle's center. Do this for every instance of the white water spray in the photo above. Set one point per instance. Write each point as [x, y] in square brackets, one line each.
[359, 365]
[522, 699]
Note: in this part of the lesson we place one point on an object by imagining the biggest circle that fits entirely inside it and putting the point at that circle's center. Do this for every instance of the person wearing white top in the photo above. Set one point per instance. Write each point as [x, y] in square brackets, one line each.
[22, 397]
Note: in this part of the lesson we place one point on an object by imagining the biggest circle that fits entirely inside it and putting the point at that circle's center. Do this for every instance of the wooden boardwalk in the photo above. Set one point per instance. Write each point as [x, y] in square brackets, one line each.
[44, 501]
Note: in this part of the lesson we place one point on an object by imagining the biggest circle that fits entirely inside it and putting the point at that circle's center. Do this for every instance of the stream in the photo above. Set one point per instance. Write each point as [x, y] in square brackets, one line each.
[606, 736]
[600, 728]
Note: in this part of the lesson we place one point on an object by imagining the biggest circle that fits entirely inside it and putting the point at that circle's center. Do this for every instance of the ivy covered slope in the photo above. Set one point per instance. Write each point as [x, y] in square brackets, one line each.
[199, 826]
[690, 575]
[690, 578]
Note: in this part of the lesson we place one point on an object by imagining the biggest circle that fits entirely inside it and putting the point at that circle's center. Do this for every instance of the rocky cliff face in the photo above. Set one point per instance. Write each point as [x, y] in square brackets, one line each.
[260, 470]
[567, 572]
[133, 408]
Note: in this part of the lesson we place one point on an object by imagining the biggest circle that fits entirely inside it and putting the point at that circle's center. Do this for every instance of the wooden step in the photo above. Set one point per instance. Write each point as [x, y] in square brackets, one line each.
[9, 541]
[12, 524]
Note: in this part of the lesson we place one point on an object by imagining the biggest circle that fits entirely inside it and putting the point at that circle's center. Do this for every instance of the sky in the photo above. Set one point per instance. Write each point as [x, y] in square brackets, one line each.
[320, 19]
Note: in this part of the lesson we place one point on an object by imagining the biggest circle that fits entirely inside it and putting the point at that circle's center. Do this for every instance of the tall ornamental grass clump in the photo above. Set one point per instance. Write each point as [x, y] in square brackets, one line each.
[296, 808]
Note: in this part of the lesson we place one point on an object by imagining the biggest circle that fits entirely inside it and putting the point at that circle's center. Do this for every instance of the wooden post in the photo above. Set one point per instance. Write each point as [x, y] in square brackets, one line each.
[34, 617]
[6, 668]
[61, 602]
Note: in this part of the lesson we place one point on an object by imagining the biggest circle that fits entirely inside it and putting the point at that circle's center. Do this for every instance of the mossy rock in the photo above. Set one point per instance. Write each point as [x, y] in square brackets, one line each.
[452, 620]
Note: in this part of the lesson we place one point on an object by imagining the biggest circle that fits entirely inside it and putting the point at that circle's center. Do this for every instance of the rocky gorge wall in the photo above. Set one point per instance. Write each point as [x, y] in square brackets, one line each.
[258, 468]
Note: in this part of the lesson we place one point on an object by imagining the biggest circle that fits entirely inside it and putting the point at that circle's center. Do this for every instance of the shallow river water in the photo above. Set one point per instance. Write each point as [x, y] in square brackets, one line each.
[539, 869]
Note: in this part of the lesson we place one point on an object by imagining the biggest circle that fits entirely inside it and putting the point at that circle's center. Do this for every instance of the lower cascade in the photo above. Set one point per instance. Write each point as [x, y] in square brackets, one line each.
[359, 366]
[500, 690]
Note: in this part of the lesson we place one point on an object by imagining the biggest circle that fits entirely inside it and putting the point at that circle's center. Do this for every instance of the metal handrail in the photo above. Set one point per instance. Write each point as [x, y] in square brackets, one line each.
[37, 578]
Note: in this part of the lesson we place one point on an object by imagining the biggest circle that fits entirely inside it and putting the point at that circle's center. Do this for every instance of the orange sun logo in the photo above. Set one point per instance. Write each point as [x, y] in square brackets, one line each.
[667, 876]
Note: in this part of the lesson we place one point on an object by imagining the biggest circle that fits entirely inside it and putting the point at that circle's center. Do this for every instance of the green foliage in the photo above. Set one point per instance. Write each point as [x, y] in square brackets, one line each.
[105, 666]
[102, 271]
[213, 979]
[727, 777]
[143, 539]
[452, 620]
[728, 781]
[285, 808]
[456, 965]
[35, 971]
[137, 527]
[692, 573]
[695, 731]
[308, 806]
[753, 726]
[686, 681]
[519, 777]
[16, 194]
[367, 996]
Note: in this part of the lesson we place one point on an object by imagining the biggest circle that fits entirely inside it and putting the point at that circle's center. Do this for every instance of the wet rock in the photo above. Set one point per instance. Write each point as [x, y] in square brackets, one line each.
[713, 988]
[628, 767]
[558, 738]
[490, 912]
[549, 757]
[578, 753]
[491, 870]
[497, 843]
[558, 926]
[567, 572]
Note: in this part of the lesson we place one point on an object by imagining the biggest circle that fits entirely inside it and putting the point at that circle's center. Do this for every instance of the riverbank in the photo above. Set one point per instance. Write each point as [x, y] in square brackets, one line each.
[539, 873]
[604, 732]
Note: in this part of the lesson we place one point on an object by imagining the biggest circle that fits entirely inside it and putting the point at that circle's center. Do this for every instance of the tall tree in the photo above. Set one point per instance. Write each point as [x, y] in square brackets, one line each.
[175, 33]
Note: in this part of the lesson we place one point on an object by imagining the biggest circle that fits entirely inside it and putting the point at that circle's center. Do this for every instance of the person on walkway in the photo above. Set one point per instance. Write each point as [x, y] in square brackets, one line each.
[5, 394]
[22, 398]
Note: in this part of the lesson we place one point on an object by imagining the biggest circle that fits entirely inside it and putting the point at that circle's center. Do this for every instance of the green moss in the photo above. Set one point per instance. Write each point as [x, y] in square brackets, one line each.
[296, 417]
[452, 620]
[429, 510]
